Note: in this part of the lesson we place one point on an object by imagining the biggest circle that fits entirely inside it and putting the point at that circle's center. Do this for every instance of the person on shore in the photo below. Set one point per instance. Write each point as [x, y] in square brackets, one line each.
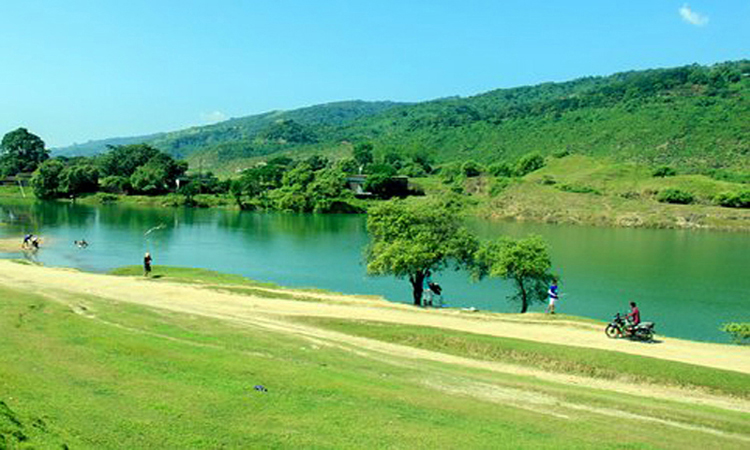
[426, 290]
[553, 296]
[27, 240]
[35, 242]
[147, 264]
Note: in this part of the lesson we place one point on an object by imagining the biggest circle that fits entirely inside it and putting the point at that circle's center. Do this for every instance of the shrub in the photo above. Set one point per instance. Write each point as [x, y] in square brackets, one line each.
[471, 169]
[561, 153]
[500, 184]
[739, 331]
[675, 196]
[529, 163]
[548, 180]
[579, 189]
[450, 172]
[733, 199]
[500, 170]
[664, 171]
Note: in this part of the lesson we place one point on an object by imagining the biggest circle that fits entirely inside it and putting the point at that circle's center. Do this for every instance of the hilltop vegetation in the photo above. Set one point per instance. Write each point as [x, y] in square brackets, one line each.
[691, 117]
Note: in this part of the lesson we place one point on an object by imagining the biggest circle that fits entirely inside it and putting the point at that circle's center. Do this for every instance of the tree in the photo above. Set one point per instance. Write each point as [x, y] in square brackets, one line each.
[21, 151]
[46, 179]
[124, 160]
[79, 179]
[410, 238]
[526, 262]
[363, 154]
[529, 163]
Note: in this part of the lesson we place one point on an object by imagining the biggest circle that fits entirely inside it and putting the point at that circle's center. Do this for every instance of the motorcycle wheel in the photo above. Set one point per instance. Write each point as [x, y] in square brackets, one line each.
[612, 331]
[648, 336]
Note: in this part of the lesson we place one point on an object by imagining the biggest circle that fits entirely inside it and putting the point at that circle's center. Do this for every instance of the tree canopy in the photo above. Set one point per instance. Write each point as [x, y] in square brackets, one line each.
[21, 151]
[410, 238]
[526, 262]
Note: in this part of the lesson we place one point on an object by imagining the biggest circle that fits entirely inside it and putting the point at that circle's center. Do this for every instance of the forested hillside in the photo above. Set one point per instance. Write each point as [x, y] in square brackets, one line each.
[696, 118]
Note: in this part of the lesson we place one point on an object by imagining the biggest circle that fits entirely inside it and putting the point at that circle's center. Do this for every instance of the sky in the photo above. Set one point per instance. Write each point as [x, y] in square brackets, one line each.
[79, 70]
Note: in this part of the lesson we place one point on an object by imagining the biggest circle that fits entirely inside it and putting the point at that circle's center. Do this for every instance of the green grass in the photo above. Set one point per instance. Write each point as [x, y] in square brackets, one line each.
[221, 282]
[123, 376]
[550, 357]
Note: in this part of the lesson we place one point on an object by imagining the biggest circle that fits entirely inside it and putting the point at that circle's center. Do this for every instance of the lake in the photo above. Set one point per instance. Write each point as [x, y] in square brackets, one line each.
[688, 282]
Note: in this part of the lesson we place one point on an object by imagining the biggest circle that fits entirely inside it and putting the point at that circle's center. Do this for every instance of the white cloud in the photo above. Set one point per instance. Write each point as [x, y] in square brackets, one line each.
[213, 117]
[692, 17]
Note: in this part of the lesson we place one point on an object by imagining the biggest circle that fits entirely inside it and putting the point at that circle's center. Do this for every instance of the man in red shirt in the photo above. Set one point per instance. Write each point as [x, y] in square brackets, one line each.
[634, 317]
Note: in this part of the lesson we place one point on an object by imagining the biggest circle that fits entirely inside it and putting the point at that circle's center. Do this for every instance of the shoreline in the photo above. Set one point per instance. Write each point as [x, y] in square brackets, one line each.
[239, 285]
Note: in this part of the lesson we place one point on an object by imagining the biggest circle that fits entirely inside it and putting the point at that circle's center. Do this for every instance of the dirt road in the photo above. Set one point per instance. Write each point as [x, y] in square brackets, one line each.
[208, 302]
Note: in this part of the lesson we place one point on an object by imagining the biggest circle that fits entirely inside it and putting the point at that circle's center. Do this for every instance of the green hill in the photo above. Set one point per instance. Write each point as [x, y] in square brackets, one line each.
[693, 117]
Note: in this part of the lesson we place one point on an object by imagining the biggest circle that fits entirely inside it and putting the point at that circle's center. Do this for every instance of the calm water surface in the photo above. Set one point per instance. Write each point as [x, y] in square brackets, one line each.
[687, 282]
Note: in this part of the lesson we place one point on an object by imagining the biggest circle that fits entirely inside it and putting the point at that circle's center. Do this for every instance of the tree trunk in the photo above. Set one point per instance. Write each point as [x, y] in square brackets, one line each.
[417, 285]
[524, 297]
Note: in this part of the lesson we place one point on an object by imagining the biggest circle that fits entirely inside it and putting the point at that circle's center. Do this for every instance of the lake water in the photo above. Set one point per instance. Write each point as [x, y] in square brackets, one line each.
[688, 282]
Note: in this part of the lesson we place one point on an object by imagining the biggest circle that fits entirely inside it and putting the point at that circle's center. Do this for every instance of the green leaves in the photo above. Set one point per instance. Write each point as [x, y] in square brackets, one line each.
[21, 151]
[525, 261]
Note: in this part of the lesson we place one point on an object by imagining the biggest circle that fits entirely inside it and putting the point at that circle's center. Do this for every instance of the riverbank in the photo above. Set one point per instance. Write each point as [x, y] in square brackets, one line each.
[574, 190]
[186, 349]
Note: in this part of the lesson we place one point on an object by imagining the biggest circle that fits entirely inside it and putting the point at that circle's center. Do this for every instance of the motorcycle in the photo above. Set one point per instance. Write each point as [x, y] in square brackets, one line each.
[621, 327]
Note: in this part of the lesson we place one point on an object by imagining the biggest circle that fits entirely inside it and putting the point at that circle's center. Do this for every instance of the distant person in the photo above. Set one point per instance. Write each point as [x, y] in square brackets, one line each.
[81, 243]
[147, 264]
[553, 296]
[35, 242]
[426, 289]
[27, 240]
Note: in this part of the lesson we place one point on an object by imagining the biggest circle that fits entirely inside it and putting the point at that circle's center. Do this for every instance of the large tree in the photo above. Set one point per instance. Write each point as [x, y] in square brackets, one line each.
[21, 151]
[46, 179]
[526, 262]
[409, 238]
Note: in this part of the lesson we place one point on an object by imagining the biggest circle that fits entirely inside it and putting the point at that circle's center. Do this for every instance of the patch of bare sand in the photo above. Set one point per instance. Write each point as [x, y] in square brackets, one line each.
[271, 314]
[10, 245]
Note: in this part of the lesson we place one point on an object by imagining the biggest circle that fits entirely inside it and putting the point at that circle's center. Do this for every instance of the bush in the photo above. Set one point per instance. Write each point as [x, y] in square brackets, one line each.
[450, 172]
[739, 331]
[500, 170]
[664, 171]
[675, 196]
[471, 169]
[529, 163]
[500, 184]
[579, 189]
[733, 199]
[115, 184]
[548, 180]
[561, 153]
[413, 170]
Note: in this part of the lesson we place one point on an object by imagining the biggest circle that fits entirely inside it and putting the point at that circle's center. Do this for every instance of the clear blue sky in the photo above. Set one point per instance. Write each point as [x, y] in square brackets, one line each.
[77, 70]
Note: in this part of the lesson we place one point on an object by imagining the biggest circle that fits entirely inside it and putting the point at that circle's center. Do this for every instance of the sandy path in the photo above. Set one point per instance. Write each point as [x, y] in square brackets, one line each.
[199, 300]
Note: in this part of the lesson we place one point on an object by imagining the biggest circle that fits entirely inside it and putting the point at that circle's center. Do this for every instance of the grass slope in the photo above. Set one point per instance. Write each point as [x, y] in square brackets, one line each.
[92, 373]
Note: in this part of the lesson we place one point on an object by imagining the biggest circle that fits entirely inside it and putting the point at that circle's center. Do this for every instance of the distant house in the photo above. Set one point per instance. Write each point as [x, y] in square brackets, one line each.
[356, 184]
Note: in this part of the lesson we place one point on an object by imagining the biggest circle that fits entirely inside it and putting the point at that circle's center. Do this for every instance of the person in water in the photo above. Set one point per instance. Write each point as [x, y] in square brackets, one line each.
[553, 296]
[81, 244]
[146, 264]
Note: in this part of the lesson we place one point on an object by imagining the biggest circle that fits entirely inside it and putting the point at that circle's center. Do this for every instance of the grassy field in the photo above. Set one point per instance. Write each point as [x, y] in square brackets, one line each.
[558, 358]
[582, 190]
[89, 372]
